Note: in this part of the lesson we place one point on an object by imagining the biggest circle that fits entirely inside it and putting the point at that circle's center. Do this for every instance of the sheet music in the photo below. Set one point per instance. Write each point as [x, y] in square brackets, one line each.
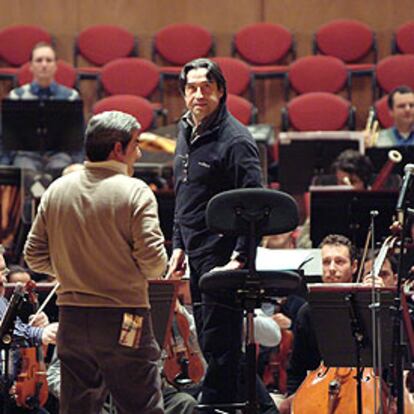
[290, 259]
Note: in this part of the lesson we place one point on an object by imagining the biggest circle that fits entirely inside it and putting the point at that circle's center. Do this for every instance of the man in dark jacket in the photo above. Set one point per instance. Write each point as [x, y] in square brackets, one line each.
[214, 153]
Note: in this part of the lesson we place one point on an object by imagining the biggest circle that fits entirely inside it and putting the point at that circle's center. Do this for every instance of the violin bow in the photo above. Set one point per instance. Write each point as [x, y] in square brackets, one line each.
[45, 302]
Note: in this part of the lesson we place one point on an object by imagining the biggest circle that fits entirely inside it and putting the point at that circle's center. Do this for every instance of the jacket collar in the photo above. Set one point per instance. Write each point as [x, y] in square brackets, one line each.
[37, 90]
[112, 165]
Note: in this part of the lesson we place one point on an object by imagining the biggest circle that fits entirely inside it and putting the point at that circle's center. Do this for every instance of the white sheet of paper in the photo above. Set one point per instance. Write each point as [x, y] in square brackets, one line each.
[290, 259]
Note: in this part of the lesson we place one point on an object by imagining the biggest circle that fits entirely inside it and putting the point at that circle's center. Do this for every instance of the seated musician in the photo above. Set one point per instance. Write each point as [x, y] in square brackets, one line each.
[338, 266]
[18, 274]
[43, 65]
[354, 169]
[388, 274]
[401, 108]
[40, 332]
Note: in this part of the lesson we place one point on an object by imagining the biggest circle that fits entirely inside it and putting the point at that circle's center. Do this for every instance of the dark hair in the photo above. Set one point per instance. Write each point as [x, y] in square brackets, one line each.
[403, 89]
[104, 130]
[340, 240]
[42, 44]
[353, 162]
[13, 269]
[214, 73]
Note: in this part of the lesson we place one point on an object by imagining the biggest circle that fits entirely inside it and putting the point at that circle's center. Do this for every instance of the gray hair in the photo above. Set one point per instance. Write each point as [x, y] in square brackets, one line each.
[2, 249]
[104, 130]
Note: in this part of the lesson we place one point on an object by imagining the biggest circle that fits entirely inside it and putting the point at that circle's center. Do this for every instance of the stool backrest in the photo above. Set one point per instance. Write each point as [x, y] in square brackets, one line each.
[237, 212]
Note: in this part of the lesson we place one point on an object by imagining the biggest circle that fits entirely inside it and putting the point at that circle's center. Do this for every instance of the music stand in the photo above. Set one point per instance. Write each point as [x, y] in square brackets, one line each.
[162, 296]
[42, 125]
[330, 314]
[303, 155]
[347, 212]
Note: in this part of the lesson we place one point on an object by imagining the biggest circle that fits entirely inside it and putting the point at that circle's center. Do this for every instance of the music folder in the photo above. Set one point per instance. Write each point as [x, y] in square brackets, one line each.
[347, 211]
[331, 318]
[303, 155]
[42, 125]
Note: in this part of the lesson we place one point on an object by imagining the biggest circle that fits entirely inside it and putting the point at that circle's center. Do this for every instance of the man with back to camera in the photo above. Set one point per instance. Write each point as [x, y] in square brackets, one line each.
[214, 153]
[97, 230]
[401, 108]
[43, 65]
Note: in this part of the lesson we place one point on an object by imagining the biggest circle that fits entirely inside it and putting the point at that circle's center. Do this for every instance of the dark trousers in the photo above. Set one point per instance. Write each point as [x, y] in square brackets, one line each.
[177, 401]
[93, 363]
[219, 328]
[219, 321]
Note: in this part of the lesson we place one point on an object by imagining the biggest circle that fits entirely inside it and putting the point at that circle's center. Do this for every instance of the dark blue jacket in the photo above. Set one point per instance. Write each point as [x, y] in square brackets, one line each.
[224, 157]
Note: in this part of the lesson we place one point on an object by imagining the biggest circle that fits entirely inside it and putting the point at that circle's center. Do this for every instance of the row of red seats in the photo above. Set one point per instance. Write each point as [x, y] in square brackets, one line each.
[126, 75]
[123, 78]
[265, 46]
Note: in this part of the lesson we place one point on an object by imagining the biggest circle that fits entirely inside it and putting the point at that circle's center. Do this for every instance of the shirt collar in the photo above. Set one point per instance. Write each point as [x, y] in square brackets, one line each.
[403, 140]
[207, 124]
[50, 90]
[112, 165]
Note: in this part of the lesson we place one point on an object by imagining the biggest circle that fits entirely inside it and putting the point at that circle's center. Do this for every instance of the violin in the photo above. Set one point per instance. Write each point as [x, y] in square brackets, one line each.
[31, 385]
[183, 359]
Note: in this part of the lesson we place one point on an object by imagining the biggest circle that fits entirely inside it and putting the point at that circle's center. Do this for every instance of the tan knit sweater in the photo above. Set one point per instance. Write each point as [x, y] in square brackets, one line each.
[97, 231]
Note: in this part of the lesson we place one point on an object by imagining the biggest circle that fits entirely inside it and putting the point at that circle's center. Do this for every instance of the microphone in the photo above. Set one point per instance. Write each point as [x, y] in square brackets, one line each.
[405, 187]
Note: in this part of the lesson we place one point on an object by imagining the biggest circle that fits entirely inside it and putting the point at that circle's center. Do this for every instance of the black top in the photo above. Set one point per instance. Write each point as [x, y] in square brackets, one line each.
[305, 353]
[224, 156]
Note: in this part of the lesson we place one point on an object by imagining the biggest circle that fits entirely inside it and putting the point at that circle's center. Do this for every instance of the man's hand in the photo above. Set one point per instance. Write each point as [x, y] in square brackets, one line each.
[231, 265]
[49, 333]
[177, 265]
[41, 320]
[378, 281]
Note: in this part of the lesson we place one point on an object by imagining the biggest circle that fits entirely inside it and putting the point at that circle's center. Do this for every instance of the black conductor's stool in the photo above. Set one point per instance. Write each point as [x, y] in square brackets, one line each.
[252, 213]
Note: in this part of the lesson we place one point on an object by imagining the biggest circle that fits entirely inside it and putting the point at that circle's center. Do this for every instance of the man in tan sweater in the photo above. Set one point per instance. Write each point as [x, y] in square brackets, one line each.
[97, 231]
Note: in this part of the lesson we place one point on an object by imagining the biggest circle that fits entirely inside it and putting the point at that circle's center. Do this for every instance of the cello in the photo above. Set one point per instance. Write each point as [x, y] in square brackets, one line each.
[333, 391]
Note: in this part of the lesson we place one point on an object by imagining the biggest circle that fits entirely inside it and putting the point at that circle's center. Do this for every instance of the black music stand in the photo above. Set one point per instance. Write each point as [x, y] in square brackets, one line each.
[252, 213]
[330, 314]
[162, 296]
[347, 212]
[302, 155]
[342, 317]
[42, 125]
